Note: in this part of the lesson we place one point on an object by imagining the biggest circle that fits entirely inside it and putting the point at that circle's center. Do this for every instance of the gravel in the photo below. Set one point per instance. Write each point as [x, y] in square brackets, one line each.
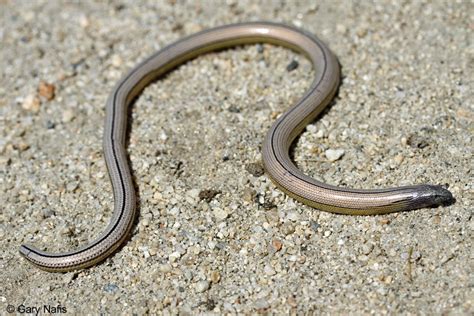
[404, 115]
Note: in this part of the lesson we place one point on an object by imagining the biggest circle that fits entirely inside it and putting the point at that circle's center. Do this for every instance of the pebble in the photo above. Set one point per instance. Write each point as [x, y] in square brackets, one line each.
[314, 225]
[292, 65]
[50, 124]
[116, 61]
[367, 248]
[277, 245]
[202, 286]
[417, 141]
[153, 250]
[110, 288]
[268, 205]
[255, 169]
[165, 268]
[293, 216]
[215, 277]
[174, 211]
[47, 213]
[334, 154]
[212, 244]
[392, 252]
[84, 21]
[174, 256]
[46, 90]
[384, 221]
[249, 195]
[72, 186]
[22, 146]
[311, 128]
[220, 214]
[268, 270]
[68, 116]
[69, 277]
[31, 103]
[287, 229]
[398, 159]
[194, 193]
[208, 195]
[261, 304]
[319, 134]
[341, 28]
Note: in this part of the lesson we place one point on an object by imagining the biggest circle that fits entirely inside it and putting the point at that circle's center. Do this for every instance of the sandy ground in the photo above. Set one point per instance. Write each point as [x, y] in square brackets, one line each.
[404, 115]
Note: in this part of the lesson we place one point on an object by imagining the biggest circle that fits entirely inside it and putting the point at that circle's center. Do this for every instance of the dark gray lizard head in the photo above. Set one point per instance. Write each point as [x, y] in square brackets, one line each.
[432, 196]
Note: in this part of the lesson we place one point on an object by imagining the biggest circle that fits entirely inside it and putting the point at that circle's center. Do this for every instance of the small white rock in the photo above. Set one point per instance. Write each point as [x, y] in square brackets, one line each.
[174, 256]
[174, 211]
[153, 250]
[293, 216]
[31, 103]
[319, 134]
[268, 270]
[194, 193]
[165, 268]
[311, 128]
[366, 249]
[68, 116]
[220, 214]
[116, 61]
[201, 286]
[334, 154]
[163, 136]
[212, 244]
[261, 304]
[84, 21]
